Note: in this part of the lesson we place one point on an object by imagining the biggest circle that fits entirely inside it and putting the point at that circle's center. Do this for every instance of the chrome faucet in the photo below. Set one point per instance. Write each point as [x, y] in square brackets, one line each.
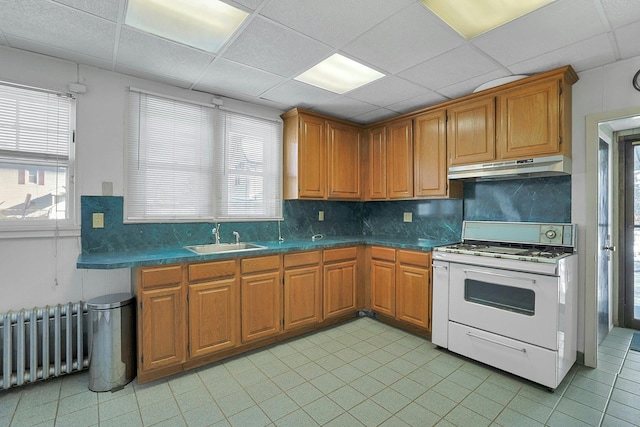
[235, 233]
[216, 233]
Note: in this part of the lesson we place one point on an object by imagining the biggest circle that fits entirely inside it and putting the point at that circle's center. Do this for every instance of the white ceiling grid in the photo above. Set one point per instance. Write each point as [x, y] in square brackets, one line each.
[425, 61]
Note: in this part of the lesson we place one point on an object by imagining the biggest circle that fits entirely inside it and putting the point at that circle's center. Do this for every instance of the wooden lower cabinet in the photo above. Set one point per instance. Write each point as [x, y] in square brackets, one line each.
[261, 297]
[214, 307]
[302, 289]
[340, 281]
[161, 318]
[401, 285]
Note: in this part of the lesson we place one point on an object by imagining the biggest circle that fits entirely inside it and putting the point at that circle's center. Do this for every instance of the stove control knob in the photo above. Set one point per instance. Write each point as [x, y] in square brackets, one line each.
[550, 234]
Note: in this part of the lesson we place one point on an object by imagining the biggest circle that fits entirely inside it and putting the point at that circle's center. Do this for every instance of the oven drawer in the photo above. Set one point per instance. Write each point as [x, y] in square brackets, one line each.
[528, 361]
[513, 304]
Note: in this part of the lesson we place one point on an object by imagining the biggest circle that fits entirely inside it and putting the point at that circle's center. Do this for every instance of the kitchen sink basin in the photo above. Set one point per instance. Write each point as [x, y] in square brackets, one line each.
[219, 248]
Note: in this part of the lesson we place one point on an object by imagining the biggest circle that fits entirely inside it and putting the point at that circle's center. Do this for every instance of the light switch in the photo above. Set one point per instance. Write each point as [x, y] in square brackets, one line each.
[98, 220]
[408, 217]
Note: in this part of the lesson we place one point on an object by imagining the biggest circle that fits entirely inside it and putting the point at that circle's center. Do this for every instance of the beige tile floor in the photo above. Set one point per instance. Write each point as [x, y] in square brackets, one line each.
[359, 373]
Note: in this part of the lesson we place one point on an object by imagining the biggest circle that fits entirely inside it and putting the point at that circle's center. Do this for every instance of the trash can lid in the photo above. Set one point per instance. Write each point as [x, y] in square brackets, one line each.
[110, 301]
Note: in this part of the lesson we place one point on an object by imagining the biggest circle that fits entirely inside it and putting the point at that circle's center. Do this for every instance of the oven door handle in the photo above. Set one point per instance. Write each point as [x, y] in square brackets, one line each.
[500, 275]
[512, 347]
[439, 266]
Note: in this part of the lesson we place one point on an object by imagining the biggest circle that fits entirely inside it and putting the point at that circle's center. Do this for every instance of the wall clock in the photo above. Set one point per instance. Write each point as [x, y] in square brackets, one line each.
[636, 80]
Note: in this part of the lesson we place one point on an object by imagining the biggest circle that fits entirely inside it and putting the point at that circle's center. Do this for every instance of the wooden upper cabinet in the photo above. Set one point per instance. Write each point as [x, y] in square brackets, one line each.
[529, 121]
[312, 158]
[471, 131]
[344, 159]
[430, 154]
[400, 159]
[377, 164]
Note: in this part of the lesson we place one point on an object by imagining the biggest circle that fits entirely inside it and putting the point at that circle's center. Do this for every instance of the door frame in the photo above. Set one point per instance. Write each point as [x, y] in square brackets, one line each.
[591, 230]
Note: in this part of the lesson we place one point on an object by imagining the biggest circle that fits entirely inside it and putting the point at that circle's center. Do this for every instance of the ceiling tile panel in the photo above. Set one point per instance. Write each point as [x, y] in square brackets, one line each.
[557, 25]
[249, 4]
[298, 94]
[405, 39]
[224, 74]
[58, 26]
[457, 65]
[107, 9]
[274, 48]
[334, 22]
[344, 107]
[621, 12]
[154, 76]
[424, 100]
[374, 116]
[141, 51]
[628, 39]
[583, 55]
[386, 91]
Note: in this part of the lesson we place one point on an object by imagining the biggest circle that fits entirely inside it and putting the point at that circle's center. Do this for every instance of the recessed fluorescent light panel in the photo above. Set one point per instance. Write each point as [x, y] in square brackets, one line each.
[339, 74]
[204, 24]
[474, 17]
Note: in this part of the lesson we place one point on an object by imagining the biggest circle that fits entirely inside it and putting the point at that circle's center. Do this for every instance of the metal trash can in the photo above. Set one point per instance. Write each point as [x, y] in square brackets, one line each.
[112, 341]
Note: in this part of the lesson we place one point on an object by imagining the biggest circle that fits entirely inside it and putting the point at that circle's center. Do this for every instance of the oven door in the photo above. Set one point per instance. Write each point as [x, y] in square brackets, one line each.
[517, 305]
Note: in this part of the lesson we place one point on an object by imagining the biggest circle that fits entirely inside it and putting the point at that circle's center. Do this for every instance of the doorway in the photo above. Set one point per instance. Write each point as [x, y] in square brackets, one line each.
[629, 296]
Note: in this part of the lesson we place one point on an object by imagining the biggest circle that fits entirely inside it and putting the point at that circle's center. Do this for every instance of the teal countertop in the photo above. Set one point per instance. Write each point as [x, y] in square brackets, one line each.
[130, 259]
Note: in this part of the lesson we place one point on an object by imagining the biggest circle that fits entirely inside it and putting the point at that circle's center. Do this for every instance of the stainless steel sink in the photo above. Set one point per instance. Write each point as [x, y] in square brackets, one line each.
[214, 248]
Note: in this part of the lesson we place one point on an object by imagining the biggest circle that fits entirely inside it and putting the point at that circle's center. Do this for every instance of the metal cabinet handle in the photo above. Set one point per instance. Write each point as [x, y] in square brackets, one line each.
[524, 350]
[500, 275]
[609, 248]
[440, 266]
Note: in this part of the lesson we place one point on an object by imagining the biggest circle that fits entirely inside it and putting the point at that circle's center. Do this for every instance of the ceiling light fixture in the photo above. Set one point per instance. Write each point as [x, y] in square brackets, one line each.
[204, 24]
[339, 74]
[471, 18]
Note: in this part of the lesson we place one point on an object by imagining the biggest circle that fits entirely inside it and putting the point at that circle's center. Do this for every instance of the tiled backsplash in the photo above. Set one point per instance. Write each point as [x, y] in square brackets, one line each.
[530, 200]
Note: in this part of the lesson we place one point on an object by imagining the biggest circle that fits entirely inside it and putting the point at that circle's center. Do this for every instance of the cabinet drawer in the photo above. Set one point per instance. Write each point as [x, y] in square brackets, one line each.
[378, 252]
[340, 254]
[266, 263]
[421, 259]
[210, 270]
[303, 258]
[160, 276]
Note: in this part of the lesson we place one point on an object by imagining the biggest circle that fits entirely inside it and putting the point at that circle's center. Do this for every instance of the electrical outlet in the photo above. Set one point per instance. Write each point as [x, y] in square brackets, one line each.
[320, 215]
[407, 217]
[98, 220]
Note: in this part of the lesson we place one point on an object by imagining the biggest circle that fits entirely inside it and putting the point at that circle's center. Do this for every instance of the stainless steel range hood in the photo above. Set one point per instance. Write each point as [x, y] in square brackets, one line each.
[513, 169]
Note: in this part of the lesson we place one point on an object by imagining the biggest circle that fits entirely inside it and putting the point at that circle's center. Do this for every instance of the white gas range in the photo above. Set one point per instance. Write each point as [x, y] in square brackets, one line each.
[507, 296]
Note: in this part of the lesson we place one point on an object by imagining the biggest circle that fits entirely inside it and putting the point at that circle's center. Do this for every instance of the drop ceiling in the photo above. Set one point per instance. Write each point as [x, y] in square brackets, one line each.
[424, 61]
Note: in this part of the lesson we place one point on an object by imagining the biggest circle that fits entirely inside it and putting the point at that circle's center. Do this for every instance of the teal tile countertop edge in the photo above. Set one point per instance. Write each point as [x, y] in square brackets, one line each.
[113, 260]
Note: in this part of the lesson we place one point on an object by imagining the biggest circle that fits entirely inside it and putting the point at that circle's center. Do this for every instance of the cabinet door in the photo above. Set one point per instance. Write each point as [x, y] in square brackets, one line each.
[400, 159]
[471, 131]
[214, 320]
[261, 297]
[430, 154]
[413, 288]
[312, 166]
[163, 327]
[302, 297]
[340, 285]
[383, 287]
[529, 121]
[377, 180]
[345, 152]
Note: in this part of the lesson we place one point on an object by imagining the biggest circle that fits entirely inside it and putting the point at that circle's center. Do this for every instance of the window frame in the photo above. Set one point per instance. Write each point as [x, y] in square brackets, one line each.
[55, 227]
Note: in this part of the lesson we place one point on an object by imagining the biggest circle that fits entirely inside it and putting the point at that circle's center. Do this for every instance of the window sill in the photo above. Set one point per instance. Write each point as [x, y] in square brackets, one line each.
[39, 232]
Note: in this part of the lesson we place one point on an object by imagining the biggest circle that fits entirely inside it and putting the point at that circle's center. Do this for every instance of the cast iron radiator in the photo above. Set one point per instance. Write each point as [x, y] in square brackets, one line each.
[42, 342]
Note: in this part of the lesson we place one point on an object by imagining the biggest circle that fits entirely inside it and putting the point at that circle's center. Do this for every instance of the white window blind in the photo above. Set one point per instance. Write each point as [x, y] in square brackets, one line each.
[249, 179]
[36, 156]
[169, 160]
[190, 162]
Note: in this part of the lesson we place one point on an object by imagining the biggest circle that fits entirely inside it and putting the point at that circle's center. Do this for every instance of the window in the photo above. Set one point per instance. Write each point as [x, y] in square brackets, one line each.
[36, 157]
[191, 162]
